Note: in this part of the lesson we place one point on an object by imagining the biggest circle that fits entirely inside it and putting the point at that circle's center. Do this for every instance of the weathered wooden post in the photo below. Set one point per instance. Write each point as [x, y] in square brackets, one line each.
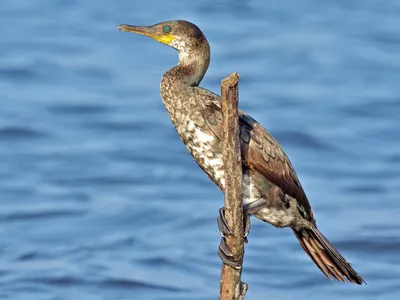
[231, 287]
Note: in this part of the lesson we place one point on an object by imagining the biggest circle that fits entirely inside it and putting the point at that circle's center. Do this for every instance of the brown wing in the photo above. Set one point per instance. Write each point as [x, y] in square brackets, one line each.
[260, 151]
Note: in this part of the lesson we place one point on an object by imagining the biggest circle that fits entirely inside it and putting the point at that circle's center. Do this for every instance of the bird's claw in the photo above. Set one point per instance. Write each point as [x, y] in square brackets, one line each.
[224, 252]
[247, 225]
[224, 228]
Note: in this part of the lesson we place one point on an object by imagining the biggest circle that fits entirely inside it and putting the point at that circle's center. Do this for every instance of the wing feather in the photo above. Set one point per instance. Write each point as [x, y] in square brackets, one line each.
[260, 151]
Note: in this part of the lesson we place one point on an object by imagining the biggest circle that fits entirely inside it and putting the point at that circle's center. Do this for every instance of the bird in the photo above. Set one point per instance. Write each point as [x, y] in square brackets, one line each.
[271, 189]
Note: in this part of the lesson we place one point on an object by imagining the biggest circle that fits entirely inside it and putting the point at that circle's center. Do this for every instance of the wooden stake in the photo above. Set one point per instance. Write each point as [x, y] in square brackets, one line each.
[231, 287]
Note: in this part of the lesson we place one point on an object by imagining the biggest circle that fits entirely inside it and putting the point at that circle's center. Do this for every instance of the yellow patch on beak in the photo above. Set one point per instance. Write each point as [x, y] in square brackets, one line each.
[165, 38]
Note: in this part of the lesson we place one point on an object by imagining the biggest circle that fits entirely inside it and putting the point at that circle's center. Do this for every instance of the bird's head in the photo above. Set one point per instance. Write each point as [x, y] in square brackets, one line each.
[180, 35]
[187, 38]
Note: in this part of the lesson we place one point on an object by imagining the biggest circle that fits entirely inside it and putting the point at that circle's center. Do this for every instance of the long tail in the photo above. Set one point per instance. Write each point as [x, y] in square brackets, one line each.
[325, 256]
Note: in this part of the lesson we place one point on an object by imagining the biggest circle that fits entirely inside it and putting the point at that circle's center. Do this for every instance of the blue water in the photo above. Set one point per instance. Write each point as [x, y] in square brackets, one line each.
[99, 197]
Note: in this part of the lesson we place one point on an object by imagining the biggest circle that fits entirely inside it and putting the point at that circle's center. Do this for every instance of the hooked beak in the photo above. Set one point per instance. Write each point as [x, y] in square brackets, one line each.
[150, 31]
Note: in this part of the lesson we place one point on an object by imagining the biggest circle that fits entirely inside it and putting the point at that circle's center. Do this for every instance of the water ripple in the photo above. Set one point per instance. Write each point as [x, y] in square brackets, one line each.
[83, 109]
[136, 284]
[301, 139]
[41, 214]
[20, 133]
[390, 245]
[18, 74]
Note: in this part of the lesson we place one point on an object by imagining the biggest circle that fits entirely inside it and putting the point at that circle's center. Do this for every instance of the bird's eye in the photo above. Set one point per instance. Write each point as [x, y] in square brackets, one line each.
[167, 28]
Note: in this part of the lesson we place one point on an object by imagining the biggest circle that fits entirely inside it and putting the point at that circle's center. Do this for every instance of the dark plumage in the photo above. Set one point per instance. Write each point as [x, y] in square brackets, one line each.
[271, 190]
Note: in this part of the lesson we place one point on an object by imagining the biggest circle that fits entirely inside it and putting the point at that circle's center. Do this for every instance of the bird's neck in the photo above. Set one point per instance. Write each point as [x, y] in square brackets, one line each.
[178, 82]
[192, 66]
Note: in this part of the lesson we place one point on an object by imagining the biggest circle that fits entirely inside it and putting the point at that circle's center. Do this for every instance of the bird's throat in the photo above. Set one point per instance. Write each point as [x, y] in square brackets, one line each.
[193, 64]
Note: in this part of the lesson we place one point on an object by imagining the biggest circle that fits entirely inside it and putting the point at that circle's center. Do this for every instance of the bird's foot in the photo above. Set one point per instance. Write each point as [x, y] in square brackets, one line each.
[225, 254]
[224, 251]
[224, 228]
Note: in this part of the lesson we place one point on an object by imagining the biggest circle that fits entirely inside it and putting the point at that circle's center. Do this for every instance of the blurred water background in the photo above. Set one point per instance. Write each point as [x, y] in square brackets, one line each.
[99, 197]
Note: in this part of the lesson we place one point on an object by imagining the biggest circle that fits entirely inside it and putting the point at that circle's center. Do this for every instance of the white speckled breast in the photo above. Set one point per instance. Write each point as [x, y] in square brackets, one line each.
[202, 147]
[205, 149]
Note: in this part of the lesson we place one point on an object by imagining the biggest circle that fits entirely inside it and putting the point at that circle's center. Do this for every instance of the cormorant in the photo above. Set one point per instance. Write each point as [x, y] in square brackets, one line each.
[271, 190]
